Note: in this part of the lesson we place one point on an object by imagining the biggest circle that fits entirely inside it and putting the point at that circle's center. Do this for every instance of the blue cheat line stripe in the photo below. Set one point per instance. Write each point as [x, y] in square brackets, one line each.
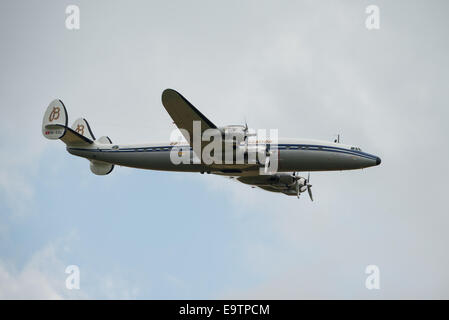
[280, 147]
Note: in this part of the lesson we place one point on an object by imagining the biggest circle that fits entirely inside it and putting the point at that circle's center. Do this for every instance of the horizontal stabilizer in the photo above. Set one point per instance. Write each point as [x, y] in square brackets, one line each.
[73, 138]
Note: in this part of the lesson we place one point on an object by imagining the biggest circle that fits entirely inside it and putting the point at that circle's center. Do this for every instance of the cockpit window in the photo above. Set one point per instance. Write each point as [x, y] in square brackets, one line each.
[356, 148]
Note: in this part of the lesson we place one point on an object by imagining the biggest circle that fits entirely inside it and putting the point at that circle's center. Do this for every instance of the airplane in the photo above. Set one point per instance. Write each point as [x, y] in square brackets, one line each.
[287, 156]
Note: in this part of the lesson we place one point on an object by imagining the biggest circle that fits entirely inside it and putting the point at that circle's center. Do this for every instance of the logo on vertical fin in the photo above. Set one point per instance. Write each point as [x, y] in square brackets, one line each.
[55, 113]
[80, 129]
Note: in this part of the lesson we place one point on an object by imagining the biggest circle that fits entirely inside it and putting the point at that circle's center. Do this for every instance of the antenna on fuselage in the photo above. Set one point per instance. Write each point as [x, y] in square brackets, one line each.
[338, 139]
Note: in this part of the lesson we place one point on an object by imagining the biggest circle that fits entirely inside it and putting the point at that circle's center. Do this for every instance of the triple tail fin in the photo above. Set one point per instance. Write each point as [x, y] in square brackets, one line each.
[54, 126]
[101, 168]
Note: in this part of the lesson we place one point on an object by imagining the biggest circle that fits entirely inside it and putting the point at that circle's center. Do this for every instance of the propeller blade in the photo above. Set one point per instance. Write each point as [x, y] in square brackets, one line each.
[297, 189]
[267, 163]
[309, 190]
[308, 178]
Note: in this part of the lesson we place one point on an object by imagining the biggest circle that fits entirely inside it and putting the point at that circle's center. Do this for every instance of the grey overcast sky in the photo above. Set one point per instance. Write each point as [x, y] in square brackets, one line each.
[309, 68]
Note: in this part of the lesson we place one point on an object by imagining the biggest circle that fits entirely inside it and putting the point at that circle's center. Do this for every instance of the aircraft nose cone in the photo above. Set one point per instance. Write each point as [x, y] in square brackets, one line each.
[378, 161]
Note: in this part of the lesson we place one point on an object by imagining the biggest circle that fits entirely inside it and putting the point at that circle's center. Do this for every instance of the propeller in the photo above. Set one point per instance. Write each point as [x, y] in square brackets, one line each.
[309, 187]
[268, 154]
[267, 158]
[246, 131]
[246, 135]
[302, 185]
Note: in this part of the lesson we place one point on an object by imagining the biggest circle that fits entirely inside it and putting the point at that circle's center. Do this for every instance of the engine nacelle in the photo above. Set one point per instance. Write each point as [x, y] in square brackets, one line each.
[233, 133]
[283, 179]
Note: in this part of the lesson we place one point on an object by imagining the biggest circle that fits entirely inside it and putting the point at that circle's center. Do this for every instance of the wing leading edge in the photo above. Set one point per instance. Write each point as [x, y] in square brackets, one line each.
[184, 113]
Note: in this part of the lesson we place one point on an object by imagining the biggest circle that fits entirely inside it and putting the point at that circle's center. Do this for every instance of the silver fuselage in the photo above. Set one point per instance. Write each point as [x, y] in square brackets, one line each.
[292, 155]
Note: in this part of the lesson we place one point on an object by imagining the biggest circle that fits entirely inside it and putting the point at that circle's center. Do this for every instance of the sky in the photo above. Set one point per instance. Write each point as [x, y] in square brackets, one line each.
[308, 68]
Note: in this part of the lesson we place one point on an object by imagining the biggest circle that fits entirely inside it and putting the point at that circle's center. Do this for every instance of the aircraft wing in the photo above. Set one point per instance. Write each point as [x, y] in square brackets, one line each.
[184, 113]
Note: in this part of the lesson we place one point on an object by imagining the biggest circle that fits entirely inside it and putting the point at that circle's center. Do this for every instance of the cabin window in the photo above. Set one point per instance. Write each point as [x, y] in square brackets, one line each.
[115, 147]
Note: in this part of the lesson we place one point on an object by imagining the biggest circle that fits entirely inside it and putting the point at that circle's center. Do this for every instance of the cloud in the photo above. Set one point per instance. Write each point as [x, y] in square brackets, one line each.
[43, 276]
[114, 286]
[20, 161]
[16, 190]
[29, 283]
[36, 280]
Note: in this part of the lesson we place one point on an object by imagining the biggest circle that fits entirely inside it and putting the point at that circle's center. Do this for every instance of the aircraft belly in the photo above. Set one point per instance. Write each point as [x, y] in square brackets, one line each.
[143, 160]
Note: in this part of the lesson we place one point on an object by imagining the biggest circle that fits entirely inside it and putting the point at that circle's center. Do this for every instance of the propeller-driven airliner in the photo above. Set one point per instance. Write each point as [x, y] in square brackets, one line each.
[286, 156]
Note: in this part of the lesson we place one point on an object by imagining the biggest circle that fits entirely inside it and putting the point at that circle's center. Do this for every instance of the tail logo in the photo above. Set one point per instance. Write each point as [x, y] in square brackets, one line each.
[80, 129]
[55, 113]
